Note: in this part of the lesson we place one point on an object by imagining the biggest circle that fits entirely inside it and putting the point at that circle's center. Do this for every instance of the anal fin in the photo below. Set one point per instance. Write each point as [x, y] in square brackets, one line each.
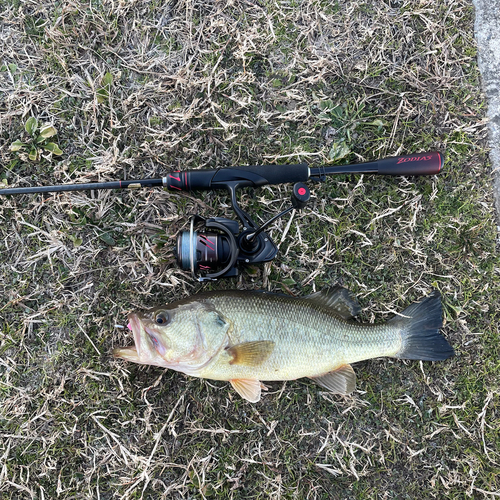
[340, 381]
[249, 389]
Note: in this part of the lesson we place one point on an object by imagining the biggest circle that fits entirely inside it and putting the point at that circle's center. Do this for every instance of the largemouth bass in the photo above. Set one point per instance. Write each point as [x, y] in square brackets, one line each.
[248, 337]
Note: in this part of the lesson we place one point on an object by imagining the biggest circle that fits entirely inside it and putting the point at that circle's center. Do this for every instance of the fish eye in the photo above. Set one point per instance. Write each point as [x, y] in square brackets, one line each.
[162, 318]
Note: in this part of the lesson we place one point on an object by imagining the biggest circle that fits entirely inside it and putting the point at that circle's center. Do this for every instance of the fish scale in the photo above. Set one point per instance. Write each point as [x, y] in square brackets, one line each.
[247, 337]
[310, 339]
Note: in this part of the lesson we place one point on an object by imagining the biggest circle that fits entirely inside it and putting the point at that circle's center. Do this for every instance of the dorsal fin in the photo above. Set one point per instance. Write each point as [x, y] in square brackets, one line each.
[337, 298]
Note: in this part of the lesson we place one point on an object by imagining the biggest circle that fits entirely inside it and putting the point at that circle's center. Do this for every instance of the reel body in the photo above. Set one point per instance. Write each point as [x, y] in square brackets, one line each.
[213, 248]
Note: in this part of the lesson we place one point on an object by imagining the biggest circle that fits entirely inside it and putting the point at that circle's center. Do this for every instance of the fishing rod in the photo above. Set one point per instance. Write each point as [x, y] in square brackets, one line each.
[213, 247]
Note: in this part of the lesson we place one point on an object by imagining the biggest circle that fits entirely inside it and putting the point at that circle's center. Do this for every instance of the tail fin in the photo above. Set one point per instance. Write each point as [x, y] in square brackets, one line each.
[420, 324]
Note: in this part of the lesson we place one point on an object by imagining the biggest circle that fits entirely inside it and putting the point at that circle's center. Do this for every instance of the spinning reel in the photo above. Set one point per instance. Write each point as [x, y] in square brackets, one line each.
[214, 247]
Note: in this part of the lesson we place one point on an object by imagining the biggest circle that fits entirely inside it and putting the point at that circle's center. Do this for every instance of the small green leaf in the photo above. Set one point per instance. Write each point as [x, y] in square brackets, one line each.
[33, 154]
[53, 148]
[456, 309]
[17, 145]
[194, 479]
[31, 125]
[102, 95]
[107, 80]
[339, 150]
[108, 239]
[103, 92]
[337, 112]
[47, 131]
[12, 67]
[76, 240]
[289, 281]
[252, 271]
[376, 123]
[326, 105]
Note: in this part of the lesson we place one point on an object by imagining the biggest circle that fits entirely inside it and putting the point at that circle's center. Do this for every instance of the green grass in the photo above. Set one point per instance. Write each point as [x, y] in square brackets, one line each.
[205, 85]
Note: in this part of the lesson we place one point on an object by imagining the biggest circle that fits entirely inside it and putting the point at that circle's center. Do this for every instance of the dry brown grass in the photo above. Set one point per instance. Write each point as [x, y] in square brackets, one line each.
[214, 84]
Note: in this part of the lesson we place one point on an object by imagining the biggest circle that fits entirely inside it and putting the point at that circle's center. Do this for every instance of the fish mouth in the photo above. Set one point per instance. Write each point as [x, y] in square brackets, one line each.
[127, 353]
[131, 353]
[136, 327]
[148, 348]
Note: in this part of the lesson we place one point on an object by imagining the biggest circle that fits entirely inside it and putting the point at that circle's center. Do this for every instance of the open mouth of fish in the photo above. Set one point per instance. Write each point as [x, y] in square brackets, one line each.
[137, 353]
[133, 352]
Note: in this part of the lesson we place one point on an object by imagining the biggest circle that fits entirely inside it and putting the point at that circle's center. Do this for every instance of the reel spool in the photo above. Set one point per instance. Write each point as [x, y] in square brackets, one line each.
[212, 252]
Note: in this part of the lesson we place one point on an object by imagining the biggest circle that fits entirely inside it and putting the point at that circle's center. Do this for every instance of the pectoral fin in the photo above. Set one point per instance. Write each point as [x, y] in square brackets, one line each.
[248, 389]
[340, 381]
[251, 353]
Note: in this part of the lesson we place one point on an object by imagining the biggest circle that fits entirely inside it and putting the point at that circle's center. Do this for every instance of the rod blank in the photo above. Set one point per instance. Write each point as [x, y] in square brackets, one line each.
[84, 187]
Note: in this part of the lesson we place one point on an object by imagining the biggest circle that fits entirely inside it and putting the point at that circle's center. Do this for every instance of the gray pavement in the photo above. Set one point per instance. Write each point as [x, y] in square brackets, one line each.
[487, 32]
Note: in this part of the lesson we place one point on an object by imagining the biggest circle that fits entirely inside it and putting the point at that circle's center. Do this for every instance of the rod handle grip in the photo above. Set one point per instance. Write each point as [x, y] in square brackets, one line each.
[251, 176]
[417, 164]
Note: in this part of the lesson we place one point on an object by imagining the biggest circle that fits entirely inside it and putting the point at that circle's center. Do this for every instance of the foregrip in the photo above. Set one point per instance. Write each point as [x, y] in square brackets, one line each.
[416, 164]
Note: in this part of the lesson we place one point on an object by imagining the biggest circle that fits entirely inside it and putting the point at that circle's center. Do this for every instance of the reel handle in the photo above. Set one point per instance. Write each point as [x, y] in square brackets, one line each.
[300, 195]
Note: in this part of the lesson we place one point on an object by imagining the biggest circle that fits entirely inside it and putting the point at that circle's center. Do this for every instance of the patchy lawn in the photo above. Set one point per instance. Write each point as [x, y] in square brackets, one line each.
[139, 88]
